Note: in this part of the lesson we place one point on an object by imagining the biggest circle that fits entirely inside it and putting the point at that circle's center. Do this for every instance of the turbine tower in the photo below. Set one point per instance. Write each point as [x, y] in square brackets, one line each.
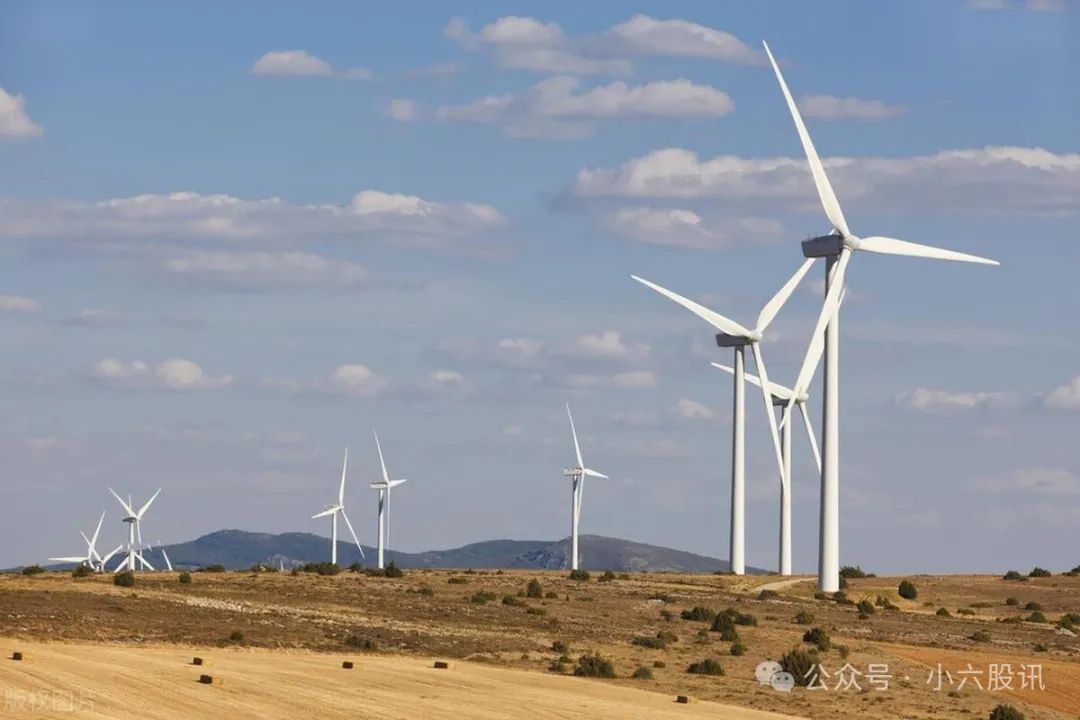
[134, 541]
[339, 509]
[384, 487]
[735, 336]
[577, 475]
[837, 247]
[92, 559]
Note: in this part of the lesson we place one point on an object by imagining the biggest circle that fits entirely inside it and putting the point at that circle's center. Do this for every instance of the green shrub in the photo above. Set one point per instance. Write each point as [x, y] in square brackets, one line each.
[804, 618]
[512, 600]
[723, 621]
[393, 571]
[1039, 647]
[1039, 572]
[608, 576]
[236, 637]
[560, 647]
[852, 572]
[356, 568]
[425, 590]
[659, 642]
[699, 613]
[980, 636]
[866, 607]
[215, 568]
[580, 576]
[767, 595]
[737, 648]
[481, 597]
[81, 571]
[1012, 575]
[457, 581]
[907, 590]
[33, 570]
[1033, 606]
[1006, 712]
[1074, 572]
[708, 666]
[534, 589]
[659, 664]
[558, 665]
[643, 673]
[662, 597]
[535, 611]
[124, 579]
[799, 663]
[840, 598]
[965, 611]
[745, 619]
[358, 641]
[1011, 601]
[1036, 617]
[943, 612]
[981, 604]
[185, 578]
[594, 665]
[819, 637]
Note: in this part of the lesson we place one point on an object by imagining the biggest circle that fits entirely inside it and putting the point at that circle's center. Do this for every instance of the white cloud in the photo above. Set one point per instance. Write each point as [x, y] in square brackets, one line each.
[402, 110]
[14, 122]
[291, 63]
[94, 317]
[944, 401]
[827, 107]
[267, 269]
[446, 377]
[189, 217]
[677, 227]
[1065, 397]
[519, 347]
[552, 109]
[173, 374]
[609, 344]
[693, 410]
[1033, 481]
[630, 380]
[19, 304]
[354, 380]
[643, 35]
[986, 180]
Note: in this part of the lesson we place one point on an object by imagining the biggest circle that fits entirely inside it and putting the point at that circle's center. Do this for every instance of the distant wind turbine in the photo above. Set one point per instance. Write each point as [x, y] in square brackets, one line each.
[134, 541]
[334, 510]
[577, 475]
[165, 556]
[384, 486]
[92, 559]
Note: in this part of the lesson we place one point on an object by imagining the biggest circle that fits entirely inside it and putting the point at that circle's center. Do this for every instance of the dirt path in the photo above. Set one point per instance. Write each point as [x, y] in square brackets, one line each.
[779, 585]
[110, 681]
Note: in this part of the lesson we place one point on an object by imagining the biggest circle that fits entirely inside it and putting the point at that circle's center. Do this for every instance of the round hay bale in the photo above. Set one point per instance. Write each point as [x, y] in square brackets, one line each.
[441, 665]
[347, 664]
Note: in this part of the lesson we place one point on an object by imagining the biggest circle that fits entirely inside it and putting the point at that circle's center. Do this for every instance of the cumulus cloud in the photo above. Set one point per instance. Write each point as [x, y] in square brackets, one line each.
[643, 35]
[18, 304]
[629, 380]
[1065, 397]
[693, 410]
[352, 379]
[678, 227]
[986, 180]
[827, 107]
[14, 122]
[553, 109]
[446, 377]
[189, 217]
[301, 63]
[609, 344]
[944, 401]
[174, 374]
[402, 110]
[266, 269]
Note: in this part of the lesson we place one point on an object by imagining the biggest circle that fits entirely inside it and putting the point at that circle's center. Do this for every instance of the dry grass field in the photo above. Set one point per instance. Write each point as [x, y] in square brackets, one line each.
[278, 641]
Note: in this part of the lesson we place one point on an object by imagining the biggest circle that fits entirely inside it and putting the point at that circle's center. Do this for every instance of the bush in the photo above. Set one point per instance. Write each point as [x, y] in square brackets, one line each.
[81, 571]
[980, 636]
[393, 571]
[659, 642]
[457, 581]
[1006, 712]
[534, 589]
[817, 636]
[426, 591]
[659, 664]
[1011, 601]
[356, 568]
[866, 607]
[804, 618]
[216, 568]
[236, 636]
[723, 621]
[185, 578]
[907, 590]
[551, 595]
[852, 572]
[560, 647]
[608, 576]
[662, 597]
[481, 597]
[699, 613]
[799, 663]
[358, 641]
[943, 612]
[840, 598]
[737, 648]
[580, 576]
[1036, 617]
[667, 615]
[594, 665]
[1012, 575]
[1039, 572]
[767, 595]
[1074, 572]
[1033, 606]
[708, 666]
[643, 673]
[512, 600]
[124, 579]
[33, 570]
[965, 611]
[535, 611]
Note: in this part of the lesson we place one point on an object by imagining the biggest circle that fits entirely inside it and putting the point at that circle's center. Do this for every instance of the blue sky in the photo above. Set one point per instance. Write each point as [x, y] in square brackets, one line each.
[236, 238]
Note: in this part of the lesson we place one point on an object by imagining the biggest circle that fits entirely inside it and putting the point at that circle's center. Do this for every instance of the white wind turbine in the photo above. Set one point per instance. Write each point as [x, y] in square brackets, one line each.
[339, 509]
[837, 247]
[577, 475]
[734, 335]
[92, 559]
[134, 541]
[384, 487]
[165, 556]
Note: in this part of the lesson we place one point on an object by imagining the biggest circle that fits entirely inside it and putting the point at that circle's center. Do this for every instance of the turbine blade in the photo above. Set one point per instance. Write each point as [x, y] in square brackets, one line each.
[143, 560]
[395, 483]
[93, 541]
[145, 507]
[386, 475]
[67, 559]
[327, 511]
[168, 563]
[573, 431]
[718, 321]
[776, 389]
[341, 489]
[127, 508]
[593, 473]
[109, 557]
[828, 198]
[773, 306]
[810, 435]
[892, 246]
[353, 533]
[769, 415]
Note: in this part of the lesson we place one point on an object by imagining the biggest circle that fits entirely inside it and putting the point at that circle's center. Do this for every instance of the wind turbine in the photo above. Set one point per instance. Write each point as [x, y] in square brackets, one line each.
[165, 556]
[134, 541]
[735, 336]
[384, 488]
[92, 559]
[334, 510]
[577, 475]
[837, 247]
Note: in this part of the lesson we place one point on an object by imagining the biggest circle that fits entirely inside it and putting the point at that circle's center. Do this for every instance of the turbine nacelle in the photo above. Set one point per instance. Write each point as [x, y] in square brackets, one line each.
[725, 340]
[828, 245]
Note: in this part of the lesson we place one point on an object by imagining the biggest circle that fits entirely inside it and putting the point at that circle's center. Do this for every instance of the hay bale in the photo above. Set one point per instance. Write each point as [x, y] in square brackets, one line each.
[16, 655]
[209, 680]
[441, 665]
[682, 699]
[347, 664]
[197, 661]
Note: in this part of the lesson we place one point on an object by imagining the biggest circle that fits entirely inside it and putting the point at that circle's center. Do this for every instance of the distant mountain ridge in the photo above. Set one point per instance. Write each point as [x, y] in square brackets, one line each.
[240, 549]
